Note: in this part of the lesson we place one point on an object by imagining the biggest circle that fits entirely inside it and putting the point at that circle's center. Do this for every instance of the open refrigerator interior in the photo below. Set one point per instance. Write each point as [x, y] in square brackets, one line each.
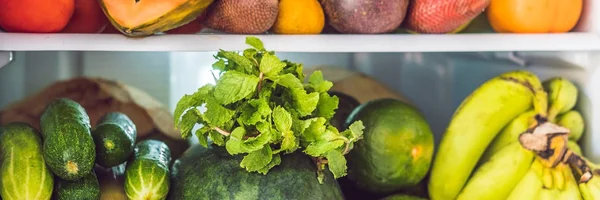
[433, 72]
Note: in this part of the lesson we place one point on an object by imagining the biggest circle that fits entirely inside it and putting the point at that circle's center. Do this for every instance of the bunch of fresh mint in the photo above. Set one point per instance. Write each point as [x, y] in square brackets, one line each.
[261, 108]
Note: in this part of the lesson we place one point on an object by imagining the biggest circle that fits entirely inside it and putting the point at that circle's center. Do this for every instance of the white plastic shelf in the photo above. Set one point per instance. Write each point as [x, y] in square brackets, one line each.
[305, 43]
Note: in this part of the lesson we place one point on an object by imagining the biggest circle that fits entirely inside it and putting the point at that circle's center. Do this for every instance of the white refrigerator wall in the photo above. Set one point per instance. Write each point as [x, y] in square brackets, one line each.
[435, 82]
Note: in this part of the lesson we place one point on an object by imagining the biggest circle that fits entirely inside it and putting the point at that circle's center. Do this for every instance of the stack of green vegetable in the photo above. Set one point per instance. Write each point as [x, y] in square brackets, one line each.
[59, 161]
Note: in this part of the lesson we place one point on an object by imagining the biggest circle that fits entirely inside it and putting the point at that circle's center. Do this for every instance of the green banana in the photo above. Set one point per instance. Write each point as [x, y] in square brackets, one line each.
[530, 185]
[574, 147]
[590, 190]
[571, 190]
[509, 134]
[548, 194]
[573, 121]
[562, 96]
[494, 174]
[479, 118]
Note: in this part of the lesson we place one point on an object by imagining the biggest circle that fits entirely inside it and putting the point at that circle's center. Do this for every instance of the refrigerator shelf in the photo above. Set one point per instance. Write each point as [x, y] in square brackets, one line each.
[487, 42]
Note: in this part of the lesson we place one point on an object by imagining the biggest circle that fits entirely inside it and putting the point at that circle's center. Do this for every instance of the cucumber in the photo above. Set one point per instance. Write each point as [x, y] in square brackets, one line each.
[86, 188]
[69, 148]
[23, 170]
[147, 173]
[114, 137]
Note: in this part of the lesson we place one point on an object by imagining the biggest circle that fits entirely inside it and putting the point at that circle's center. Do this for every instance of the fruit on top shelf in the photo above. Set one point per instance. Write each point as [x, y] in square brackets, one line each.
[442, 16]
[534, 16]
[396, 150]
[86, 188]
[114, 137]
[365, 16]
[242, 16]
[23, 170]
[476, 122]
[69, 148]
[144, 17]
[87, 18]
[34, 16]
[299, 17]
[98, 96]
[147, 173]
[211, 173]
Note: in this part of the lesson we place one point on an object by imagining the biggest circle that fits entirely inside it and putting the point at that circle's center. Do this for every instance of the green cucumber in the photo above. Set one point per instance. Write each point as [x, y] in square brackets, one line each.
[69, 148]
[115, 138]
[147, 173]
[86, 188]
[23, 169]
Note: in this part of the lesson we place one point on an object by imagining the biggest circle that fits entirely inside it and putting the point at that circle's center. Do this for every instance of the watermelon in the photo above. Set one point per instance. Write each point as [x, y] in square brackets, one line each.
[211, 173]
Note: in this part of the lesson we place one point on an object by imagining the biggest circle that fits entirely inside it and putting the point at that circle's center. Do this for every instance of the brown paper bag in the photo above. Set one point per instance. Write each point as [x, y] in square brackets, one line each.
[98, 97]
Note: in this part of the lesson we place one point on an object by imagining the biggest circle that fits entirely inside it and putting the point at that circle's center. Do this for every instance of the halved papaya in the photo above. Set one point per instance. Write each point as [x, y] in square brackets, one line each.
[147, 17]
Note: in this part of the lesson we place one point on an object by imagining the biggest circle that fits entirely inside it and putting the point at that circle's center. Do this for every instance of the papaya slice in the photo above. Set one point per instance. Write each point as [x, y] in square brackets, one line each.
[147, 17]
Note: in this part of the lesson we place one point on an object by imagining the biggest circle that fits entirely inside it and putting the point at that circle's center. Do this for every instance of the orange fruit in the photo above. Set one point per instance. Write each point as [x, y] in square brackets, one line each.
[87, 18]
[534, 16]
[299, 17]
[35, 16]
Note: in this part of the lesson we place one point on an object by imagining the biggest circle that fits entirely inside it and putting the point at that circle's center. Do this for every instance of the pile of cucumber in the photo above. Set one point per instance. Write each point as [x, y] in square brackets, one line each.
[58, 161]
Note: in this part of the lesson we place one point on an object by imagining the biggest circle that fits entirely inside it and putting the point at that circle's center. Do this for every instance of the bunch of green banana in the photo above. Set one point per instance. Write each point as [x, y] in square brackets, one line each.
[476, 122]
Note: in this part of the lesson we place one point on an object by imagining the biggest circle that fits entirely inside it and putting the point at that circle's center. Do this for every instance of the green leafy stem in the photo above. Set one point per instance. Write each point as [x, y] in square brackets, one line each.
[260, 107]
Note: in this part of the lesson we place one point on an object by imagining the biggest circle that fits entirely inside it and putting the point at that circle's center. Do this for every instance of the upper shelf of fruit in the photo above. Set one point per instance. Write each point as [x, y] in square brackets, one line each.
[299, 25]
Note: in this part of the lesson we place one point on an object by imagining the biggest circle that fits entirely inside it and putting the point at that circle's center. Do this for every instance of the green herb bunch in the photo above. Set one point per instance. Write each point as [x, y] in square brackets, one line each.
[260, 107]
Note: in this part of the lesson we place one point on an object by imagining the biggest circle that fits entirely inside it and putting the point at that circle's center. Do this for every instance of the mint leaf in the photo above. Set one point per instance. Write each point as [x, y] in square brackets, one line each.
[274, 162]
[234, 86]
[188, 121]
[289, 142]
[314, 130]
[255, 42]
[337, 163]
[257, 160]
[355, 131]
[295, 69]
[189, 101]
[234, 144]
[270, 65]
[256, 143]
[282, 119]
[216, 137]
[219, 65]
[255, 111]
[326, 106]
[319, 148]
[216, 114]
[201, 135]
[236, 62]
[305, 103]
[288, 81]
[317, 83]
